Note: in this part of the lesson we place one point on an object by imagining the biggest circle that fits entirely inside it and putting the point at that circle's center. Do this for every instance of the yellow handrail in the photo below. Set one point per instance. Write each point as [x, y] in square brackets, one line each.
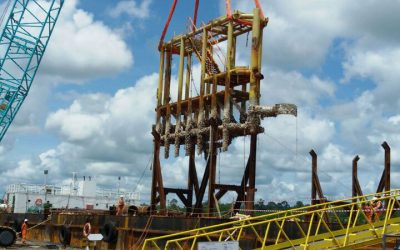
[348, 226]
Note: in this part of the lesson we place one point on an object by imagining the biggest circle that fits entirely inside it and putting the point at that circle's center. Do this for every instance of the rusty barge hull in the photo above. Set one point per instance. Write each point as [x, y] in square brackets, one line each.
[131, 230]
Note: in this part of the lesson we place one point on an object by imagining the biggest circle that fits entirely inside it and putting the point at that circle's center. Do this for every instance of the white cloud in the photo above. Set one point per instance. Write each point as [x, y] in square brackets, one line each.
[132, 8]
[292, 87]
[101, 135]
[98, 118]
[108, 168]
[299, 33]
[74, 125]
[82, 48]
[380, 65]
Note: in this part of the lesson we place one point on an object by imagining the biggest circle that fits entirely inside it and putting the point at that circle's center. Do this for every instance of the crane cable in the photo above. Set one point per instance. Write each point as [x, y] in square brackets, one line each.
[305, 159]
[149, 165]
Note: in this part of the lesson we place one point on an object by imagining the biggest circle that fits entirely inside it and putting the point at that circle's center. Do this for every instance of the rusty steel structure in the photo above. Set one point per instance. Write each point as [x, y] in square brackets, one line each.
[317, 195]
[227, 106]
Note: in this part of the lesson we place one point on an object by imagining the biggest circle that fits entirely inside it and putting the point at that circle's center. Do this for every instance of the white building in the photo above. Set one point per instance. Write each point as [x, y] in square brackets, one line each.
[80, 194]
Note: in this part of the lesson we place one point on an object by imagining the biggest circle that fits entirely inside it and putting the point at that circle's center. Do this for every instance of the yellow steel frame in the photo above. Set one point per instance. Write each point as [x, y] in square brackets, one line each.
[341, 224]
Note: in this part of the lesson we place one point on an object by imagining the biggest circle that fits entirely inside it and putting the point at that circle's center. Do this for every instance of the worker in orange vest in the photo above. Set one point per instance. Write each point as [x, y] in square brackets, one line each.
[120, 205]
[24, 231]
[368, 210]
[377, 207]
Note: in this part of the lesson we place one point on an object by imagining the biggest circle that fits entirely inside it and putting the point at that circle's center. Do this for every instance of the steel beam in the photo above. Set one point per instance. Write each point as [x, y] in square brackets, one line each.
[159, 90]
[255, 66]
[179, 101]
[212, 173]
[355, 186]
[384, 183]
[315, 183]
[227, 98]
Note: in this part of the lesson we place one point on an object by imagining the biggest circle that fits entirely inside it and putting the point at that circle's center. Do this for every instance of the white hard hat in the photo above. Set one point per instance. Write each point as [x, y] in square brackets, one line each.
[375, 198]
[26, 220]
[121, 196]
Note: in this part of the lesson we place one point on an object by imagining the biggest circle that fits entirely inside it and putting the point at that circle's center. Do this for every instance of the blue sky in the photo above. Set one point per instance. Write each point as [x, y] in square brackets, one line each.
[91, 106]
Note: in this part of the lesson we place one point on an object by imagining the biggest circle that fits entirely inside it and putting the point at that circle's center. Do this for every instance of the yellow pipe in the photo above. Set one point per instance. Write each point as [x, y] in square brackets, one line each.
[265, 236]
[255, 67]
[327, 228]
[309, 231]
[279, 233]
[277, 214]
[388, 212]
[307, 239]
[348, 226]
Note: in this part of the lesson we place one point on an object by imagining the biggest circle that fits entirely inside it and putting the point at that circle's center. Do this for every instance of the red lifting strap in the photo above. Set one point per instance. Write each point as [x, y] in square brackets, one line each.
[229, 12]
[196, 8]
[171, 12]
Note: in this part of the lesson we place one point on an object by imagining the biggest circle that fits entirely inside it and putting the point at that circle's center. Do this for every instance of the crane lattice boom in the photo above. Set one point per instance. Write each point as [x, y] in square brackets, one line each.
[23, 41]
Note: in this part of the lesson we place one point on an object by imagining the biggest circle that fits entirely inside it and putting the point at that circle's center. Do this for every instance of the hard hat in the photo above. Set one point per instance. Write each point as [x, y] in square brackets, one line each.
[25, 220]
[121, 196]
[375, 198]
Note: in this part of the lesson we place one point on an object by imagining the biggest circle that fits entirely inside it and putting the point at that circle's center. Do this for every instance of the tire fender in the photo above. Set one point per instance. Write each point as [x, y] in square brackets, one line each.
[109, 232]
[65, 235]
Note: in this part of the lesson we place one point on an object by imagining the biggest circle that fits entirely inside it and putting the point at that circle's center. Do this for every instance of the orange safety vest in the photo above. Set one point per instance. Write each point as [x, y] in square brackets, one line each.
[24, 230]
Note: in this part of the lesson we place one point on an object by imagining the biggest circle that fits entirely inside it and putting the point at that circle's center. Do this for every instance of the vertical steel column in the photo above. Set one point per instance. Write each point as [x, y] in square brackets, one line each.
[212, 149]
[157, 186]
[154, 180]
[214, 111]
[200, 119]
[159, 90]
[179, 104]
[251, 189]
[386, 147]
[192, 173]
[192, 182]
[354, 177]
[189, 147]
[212, 173]
[166, 100]
[314, 163]
[208, 84]
[227, 96]
[157, 181]
[255, 75]
[260, 41]
[188, 76]
[167, 81]
[316, 185]
[210, 54]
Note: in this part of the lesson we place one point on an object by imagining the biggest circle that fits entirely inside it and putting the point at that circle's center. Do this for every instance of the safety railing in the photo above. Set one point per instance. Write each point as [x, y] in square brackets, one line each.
[346, 224]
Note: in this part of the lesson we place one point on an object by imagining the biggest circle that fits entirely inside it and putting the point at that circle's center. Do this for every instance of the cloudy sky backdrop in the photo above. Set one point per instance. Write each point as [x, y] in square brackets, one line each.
[91, 106]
